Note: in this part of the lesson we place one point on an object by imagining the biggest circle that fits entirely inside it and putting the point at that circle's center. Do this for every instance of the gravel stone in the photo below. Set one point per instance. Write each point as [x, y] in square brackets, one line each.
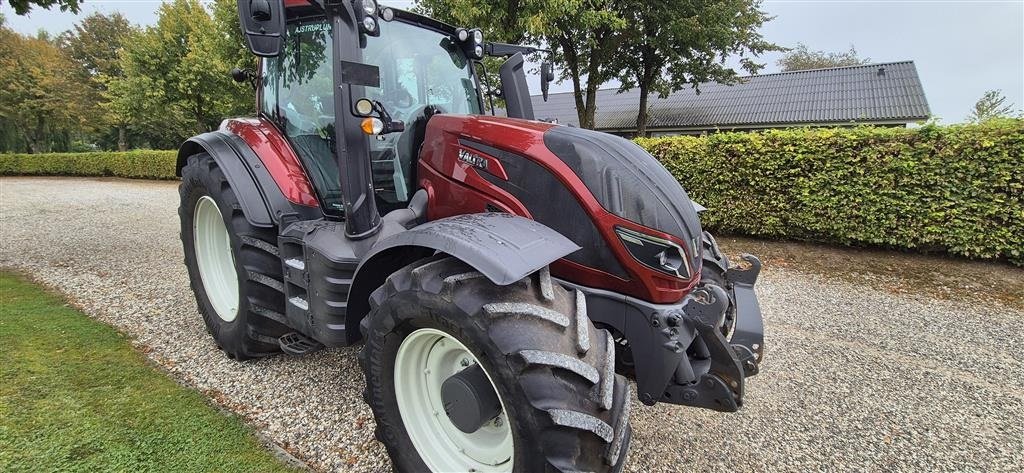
[853, 378]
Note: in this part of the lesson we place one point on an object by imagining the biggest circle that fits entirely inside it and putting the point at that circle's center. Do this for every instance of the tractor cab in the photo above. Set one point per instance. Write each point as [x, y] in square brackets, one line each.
[421, 70]
[410, 67]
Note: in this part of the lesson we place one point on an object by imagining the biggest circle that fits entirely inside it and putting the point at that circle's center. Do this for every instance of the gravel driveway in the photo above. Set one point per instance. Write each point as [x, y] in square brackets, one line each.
[854, 379]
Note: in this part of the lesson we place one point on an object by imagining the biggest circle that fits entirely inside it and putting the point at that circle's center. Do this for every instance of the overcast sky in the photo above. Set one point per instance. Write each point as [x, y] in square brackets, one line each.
[961, 48]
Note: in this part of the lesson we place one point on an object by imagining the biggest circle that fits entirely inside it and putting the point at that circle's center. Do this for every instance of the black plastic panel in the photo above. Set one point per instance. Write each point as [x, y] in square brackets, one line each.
[552, 204]
[318, 263]
[628, 182]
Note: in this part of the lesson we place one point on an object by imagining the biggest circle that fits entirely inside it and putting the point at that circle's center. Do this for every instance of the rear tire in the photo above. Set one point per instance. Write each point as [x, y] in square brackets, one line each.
[249, 327]
[552, 369]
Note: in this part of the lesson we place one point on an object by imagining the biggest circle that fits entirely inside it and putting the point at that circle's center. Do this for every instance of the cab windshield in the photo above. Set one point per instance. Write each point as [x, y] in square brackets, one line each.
[421, 70]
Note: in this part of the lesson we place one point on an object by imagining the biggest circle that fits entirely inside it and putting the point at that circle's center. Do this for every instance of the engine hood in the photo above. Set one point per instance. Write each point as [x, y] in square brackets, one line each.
[629, 183]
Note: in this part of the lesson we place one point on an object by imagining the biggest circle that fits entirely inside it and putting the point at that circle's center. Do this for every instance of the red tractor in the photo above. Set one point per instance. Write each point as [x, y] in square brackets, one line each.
[505, 275]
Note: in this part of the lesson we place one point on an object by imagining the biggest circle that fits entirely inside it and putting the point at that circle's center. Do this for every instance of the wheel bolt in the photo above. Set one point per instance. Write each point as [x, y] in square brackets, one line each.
[465, 362]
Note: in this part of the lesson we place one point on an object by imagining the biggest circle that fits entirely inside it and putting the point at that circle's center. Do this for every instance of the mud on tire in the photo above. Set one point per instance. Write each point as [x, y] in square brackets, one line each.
[553, 370]
[259, 321]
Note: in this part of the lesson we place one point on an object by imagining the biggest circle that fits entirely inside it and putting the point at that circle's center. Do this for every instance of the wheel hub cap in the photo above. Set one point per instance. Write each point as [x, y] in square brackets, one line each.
[469, 400]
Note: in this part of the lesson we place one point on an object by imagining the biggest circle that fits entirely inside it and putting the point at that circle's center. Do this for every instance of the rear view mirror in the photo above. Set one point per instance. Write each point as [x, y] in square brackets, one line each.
[262, 23]
[547, 74]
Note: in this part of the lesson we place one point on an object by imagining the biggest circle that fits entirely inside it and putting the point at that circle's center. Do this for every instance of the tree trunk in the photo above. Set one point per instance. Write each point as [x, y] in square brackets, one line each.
[572, 63]
[591, 108]
[122, 141]
[593, 82]
[37, 138]
[641, 115]
[200, 126]
[597, 62]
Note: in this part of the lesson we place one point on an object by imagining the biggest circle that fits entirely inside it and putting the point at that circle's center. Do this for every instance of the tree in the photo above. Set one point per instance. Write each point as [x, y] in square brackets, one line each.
[659, 46]
[673, 43]
[581, 34]
[176, 79]
[801, 58]
[95, 45]
[230, 44]
[991, 105]
[22, 7]
[585, 43]
[40, 99]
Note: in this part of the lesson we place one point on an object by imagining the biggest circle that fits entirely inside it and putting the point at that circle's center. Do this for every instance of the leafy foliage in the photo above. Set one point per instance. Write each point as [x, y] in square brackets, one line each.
[958, 189]
[177, 77]
[40, 101]
[581, 33]
[659, 46]
[95, 45]
[991, 105]
[802, 58]
[22, 7]
[142, 164]
[106, 84]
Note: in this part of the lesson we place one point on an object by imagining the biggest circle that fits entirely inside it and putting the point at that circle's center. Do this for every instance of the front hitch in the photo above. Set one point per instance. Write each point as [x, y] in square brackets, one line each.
[699, 351]
[712, 374]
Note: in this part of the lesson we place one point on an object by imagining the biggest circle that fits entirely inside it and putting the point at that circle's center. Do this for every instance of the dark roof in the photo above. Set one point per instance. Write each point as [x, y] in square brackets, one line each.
[886, 92]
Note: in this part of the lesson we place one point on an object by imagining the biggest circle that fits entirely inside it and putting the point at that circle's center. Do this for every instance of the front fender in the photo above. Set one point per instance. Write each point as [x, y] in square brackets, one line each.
[503, 247]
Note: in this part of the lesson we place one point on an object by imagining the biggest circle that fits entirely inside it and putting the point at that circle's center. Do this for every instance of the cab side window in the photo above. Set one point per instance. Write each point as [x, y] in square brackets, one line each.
[298, 96]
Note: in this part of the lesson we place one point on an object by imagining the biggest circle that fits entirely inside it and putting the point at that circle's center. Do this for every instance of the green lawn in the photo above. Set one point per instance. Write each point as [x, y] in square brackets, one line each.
[75, 396]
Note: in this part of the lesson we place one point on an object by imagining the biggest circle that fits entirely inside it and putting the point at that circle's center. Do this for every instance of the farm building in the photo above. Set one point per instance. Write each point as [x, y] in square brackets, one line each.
[884, 94]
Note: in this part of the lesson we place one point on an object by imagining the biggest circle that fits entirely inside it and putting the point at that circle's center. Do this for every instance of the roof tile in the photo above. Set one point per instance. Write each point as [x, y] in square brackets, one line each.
[845, 94]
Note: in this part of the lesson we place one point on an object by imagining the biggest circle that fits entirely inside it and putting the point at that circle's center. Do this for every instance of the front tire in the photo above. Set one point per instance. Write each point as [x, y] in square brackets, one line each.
[553, 371]
[233, 267]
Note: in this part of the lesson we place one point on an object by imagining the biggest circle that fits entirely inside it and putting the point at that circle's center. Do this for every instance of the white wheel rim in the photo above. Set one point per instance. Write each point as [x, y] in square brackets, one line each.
[215, 259]
[425, 359]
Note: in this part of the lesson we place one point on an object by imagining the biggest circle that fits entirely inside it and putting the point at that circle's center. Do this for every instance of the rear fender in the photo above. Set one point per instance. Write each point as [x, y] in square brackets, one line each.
[259, 196]
[505, 248]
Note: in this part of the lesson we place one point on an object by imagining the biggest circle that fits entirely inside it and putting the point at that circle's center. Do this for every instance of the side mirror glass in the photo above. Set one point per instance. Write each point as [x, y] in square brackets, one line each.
[547, 74]
[260, 10]
[262, 23]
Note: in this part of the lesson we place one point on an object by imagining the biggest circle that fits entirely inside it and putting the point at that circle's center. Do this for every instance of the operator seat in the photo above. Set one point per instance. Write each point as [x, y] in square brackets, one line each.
[411, 140]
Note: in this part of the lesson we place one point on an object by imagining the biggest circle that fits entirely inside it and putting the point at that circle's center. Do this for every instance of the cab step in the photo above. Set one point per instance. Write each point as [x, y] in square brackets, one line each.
[295, 343]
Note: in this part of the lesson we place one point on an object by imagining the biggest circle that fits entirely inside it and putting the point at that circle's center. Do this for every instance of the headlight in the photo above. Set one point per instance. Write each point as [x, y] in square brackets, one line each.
[656, 253]
[478, 36]
[462, 34]
[370, 7]
[369, 24]
[478, 51]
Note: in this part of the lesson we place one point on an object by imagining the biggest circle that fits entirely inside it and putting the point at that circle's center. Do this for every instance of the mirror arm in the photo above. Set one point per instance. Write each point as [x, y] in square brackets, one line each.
[487, 83]
[245, 75]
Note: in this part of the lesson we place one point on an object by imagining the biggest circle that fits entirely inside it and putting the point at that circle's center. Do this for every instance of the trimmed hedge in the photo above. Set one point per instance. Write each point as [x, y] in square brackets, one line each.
[958, 189]
[143, 164]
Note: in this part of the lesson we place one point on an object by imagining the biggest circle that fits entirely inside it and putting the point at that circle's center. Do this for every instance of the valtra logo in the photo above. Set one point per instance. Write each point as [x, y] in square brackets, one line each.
[473, 159]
